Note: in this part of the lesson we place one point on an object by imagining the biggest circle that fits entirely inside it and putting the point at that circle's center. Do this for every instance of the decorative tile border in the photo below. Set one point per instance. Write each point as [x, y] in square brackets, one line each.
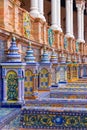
[49, 119]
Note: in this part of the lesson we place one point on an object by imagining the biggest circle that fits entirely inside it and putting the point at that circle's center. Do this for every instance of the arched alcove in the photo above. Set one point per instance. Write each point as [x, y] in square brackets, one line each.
[12, 86]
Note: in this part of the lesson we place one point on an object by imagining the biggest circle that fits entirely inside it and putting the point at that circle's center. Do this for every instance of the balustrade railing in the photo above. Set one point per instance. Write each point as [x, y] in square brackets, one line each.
[17, 20]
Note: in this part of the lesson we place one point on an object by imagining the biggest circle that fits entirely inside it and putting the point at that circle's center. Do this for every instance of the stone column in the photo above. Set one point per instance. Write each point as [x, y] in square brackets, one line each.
[71, 7]
[4, 90]
[54, 25]
[41, 9]
[83, 8]
[34, 8]
[59, 15]
[19, 90]
[80, 19]
[69, 18]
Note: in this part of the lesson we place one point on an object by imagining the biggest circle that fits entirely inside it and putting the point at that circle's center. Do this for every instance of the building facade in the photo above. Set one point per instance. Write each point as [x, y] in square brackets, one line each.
[43, 55]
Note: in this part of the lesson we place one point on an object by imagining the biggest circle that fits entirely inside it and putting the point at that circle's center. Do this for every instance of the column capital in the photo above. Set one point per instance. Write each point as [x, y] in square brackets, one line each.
[80, 4]
[80, 1]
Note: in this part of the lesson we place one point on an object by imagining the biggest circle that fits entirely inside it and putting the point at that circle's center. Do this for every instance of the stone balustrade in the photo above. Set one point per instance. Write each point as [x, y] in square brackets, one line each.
[16, 20]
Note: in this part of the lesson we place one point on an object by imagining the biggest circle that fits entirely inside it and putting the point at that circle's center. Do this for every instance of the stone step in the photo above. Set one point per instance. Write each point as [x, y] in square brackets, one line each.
[70, 91]
[72, 94]
[7, 115]
[58, 102]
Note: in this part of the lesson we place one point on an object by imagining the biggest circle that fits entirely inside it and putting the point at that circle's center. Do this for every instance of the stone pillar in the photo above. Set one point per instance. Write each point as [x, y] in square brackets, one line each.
[57, 35]
[22, 88]
[54, 14]
[81, 48]
[83, 8]
[79, 21]
[62, 75]
[35, 89]
[59, 15]
[61, 42]
[69, 18]
[34, 9]
[71, 7]
[80, 14]
[45, 34]
[4, 90]
[38, 27]
[16, 16]
[41, 9]
[19, 90]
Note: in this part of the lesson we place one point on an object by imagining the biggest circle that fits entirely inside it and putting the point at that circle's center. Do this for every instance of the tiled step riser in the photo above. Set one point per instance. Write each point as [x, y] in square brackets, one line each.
[69, 95]
[70, 91]
[52, 119]
[58, 103]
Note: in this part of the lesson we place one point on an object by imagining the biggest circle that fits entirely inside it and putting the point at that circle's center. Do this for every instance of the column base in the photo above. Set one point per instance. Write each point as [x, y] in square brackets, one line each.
[35, 94]
[69, 35]
[4, 101]
[60, 29]
[54, 27]
[20, 101]
[23, 101]
[42, 17]
[80, 41]
[35, 14]
[79, 61]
